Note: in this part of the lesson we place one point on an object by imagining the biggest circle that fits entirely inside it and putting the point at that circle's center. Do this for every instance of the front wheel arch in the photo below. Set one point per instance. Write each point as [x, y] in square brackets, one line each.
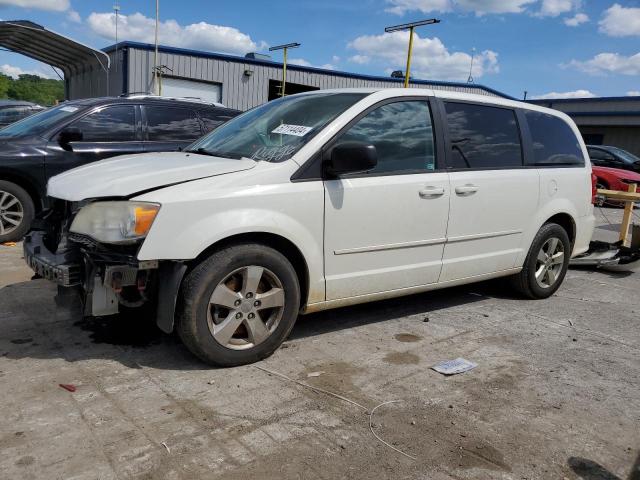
[279, 243]
[195, 321]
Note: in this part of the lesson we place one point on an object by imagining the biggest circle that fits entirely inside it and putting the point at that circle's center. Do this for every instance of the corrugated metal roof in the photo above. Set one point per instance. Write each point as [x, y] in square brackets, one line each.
[299, 68]
[33, 40]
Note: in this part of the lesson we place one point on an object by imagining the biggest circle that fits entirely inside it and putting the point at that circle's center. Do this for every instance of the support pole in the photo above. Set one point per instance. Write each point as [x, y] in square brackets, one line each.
[409, 52]
[411, 27]
[284, 71]
[284, 49]
[627, 217]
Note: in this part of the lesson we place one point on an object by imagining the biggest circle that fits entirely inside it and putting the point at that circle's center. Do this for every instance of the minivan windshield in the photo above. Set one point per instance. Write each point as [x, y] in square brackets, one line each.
[276, 130]
[39, 122]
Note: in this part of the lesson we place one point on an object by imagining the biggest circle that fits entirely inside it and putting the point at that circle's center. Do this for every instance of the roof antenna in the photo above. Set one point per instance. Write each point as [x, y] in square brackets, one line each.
[473, 54]
[525, 95]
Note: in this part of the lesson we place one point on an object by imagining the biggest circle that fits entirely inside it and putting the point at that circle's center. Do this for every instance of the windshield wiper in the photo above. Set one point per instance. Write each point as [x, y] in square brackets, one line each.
[204, 151]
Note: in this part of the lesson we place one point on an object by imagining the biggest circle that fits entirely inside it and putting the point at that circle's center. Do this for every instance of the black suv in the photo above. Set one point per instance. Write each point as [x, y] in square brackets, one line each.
[82, 131]
[613, 157]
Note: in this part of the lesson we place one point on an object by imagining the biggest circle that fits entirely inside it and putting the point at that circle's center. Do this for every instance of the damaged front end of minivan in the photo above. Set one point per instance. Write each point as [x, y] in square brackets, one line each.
[90, 248]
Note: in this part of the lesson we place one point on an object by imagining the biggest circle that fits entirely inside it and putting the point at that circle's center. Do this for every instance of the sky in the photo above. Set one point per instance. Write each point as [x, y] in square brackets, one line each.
[549, 48]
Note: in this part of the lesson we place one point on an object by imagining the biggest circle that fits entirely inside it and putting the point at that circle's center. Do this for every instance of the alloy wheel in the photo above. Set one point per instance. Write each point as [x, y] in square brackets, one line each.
[11, 212]
[246, 307]
[549, 262]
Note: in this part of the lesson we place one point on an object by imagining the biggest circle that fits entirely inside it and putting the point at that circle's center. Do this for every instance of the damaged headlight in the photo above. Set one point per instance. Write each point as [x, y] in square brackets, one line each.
[115, 222]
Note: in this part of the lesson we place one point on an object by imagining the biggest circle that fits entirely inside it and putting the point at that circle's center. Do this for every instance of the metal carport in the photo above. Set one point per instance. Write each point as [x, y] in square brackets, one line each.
[73, 58]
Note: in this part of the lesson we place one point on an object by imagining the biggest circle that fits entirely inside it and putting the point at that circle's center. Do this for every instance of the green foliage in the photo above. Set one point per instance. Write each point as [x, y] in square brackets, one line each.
[32, 88]
[5, 83]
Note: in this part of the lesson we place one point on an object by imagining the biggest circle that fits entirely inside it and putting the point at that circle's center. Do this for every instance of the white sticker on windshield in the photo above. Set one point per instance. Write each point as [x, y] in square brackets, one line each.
[296, 130]
[69, 109]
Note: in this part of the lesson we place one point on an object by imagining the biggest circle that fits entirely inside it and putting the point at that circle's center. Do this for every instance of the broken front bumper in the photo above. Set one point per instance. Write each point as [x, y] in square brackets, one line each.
[65, 268]
[105, 277]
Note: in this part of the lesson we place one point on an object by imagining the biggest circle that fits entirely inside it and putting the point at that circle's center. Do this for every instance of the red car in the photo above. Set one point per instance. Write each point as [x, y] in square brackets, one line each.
[614, 179]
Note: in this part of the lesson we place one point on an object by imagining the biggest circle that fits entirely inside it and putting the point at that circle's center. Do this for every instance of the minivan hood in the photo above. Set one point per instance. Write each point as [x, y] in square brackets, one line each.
[130, 174]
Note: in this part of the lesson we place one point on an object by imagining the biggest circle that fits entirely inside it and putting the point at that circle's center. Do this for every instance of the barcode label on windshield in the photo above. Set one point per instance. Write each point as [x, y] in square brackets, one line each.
[295, 130]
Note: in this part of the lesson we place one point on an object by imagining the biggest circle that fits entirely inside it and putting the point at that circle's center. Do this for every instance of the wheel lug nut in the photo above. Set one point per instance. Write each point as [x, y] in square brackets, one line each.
[237, 303]
[249, 295]
[251, 315]
[256, 303]
[238, 315]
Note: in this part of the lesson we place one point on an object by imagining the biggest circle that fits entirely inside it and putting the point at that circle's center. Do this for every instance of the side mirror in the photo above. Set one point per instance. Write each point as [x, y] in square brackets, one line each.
[351, 157]
[68, 135]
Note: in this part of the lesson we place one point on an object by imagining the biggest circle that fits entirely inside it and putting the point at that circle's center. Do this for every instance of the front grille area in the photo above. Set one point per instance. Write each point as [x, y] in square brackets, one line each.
[55, 222]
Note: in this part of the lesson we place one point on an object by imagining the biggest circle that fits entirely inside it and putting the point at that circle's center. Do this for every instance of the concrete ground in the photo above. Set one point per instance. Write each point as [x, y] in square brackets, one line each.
[556, 394]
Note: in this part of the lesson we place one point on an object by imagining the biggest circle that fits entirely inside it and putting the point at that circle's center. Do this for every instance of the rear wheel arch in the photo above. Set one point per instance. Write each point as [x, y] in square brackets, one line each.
[547, 261]
[27, 185]
[567, 222]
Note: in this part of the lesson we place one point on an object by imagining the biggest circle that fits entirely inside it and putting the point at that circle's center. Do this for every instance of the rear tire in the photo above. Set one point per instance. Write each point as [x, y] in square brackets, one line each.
[238, 305]
[16, 212]
[546, 264]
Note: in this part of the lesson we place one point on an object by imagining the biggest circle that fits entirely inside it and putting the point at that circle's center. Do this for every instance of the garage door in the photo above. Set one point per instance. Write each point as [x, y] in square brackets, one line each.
[178, 87]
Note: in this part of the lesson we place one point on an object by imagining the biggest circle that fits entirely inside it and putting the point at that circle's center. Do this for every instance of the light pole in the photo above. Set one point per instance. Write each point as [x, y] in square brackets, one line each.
[284, 63]
[411, 27]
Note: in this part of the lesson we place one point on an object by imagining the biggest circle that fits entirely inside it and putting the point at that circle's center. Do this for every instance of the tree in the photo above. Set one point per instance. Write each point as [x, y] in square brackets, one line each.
[32, 88]
[5, 82]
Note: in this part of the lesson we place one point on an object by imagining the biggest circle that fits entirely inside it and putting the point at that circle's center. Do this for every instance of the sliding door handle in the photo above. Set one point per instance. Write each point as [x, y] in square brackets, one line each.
[431, 192]
[465, 190]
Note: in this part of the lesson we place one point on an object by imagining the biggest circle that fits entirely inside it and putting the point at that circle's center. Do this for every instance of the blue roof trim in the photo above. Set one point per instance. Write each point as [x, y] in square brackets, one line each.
[547, 102]
[617, 113]
[234, 58]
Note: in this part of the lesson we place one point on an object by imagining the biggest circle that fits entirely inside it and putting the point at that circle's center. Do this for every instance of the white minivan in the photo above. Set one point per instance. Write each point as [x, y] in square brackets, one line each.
[321, 200]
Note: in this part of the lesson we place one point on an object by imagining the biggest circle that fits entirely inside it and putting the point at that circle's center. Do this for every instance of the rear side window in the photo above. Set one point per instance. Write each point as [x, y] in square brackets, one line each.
[554, 142]
[596, 154]
[172, 124]
[402, 133]
[110, 124]
[483, 136]
[213, 119]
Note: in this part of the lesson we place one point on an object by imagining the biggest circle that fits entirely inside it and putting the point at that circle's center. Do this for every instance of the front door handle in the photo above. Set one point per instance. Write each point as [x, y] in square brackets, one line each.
[431, 192]
[466, 190]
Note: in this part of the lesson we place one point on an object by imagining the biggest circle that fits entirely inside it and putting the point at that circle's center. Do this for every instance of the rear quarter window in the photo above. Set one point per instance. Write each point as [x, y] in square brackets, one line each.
[214, 118]
[553, 140]
[165, 124]
[483, 136]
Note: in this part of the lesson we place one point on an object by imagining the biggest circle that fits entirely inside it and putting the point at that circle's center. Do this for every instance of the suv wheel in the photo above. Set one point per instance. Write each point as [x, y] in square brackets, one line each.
[238, 305]
[16, 212]
[546, 263]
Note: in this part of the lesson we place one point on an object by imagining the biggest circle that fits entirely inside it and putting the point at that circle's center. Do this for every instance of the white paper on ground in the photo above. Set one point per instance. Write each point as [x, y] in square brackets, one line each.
[452, 367]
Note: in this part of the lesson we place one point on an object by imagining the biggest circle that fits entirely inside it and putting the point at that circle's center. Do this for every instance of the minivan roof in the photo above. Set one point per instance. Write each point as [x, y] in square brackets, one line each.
[445, 94]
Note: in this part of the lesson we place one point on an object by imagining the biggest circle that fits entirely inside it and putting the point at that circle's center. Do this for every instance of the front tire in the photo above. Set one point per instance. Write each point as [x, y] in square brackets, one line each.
[238, 305]
[546, 264]
[16, 212]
